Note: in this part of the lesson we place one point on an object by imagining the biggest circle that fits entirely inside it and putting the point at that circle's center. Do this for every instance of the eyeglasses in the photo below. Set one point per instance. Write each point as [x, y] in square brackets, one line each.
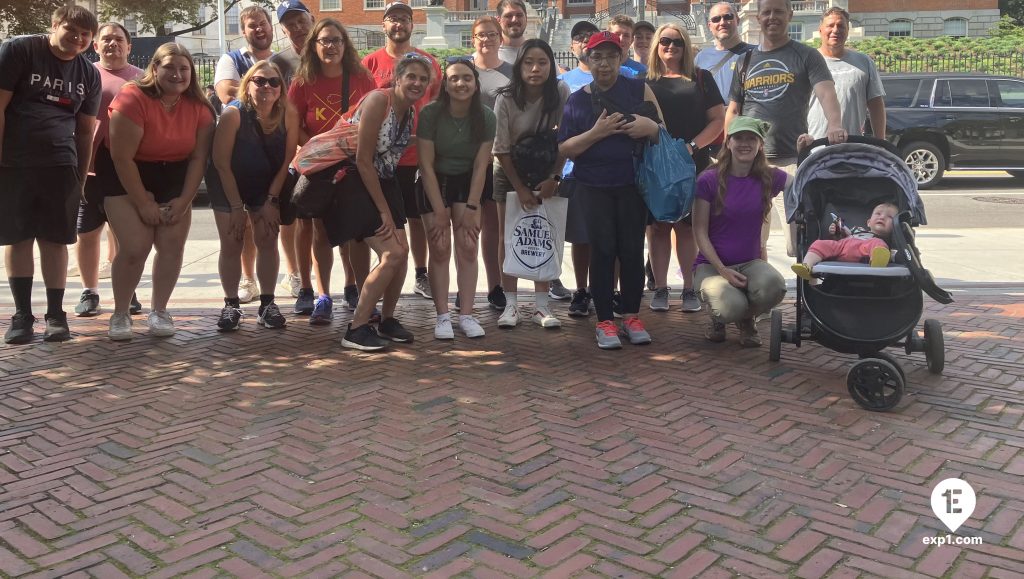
[728, 17]
[262, 81]
[666, 42]
[486, 35]
[398, 19]
[329, 42]
[467, 60]
[582, 37]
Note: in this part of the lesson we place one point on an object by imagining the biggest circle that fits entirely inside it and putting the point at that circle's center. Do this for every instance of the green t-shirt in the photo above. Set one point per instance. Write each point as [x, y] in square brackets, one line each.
[454, 150]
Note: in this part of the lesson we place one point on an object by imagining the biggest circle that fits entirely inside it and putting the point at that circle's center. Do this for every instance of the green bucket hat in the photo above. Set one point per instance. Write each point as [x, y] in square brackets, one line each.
[740, 124]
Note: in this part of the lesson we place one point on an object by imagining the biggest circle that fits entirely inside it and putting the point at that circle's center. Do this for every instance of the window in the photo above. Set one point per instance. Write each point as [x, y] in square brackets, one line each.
[962, 93]
[330, 4]
[1011, 93]
[900, 28]
[231, 20]
[900, 92]
[374, 4]
[955, 27]
[466, 38]
[796, 30]
[202, 17]
[581, 1]
[131, 25]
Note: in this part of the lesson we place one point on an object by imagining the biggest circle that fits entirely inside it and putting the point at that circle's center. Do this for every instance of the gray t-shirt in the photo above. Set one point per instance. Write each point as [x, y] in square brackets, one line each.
[778, 89]
[508, 53]
[722, 64]
[492, 79]
[857, 82]
[288, 61]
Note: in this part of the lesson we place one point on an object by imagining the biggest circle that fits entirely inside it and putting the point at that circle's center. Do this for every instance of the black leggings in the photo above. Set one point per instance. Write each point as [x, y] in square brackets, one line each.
[616, 221]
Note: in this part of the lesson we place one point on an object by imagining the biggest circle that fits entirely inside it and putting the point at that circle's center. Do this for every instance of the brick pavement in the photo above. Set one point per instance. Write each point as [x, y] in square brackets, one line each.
[525, 453]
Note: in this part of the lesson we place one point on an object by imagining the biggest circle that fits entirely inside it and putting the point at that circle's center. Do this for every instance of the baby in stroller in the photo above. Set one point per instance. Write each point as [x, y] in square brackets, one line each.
[858, 245]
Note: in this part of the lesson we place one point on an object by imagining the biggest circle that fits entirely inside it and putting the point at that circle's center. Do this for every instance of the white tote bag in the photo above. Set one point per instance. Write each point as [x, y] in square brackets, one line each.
[534, 239]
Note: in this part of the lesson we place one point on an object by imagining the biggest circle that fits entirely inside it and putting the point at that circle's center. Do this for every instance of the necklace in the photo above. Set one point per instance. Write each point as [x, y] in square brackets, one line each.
[170, 107]
[460, 124]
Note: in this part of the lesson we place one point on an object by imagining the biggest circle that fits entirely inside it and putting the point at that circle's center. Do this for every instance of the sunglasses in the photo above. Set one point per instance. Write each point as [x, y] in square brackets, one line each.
[467, 60]
[666, 42]
[727, 17]
[262, 81]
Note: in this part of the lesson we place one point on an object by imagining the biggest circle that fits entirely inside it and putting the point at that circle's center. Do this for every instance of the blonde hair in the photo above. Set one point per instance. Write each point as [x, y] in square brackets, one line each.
[656, 67]
[151, 88]
[277, 113]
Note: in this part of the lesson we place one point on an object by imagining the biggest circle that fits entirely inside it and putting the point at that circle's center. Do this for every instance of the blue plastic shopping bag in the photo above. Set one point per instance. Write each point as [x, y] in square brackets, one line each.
[666, 177]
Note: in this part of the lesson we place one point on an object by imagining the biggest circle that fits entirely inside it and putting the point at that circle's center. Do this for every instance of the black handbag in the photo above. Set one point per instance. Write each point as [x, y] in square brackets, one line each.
[534, 156]
[314, 194]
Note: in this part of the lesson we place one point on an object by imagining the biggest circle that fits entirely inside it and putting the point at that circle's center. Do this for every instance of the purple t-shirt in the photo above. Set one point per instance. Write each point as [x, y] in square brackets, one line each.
[735, 233]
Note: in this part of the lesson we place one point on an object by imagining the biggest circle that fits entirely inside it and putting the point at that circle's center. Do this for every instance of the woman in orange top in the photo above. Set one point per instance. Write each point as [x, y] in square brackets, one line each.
[161, 128]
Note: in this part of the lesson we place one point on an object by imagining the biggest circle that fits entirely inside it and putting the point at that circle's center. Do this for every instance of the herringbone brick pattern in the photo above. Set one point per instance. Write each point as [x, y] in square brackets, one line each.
[528, 452]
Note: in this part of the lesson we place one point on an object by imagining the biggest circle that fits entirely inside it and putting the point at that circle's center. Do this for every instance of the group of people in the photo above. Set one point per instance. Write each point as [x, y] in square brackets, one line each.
[438, 157]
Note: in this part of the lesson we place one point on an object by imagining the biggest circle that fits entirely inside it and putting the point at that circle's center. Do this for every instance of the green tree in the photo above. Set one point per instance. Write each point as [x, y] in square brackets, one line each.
[1013, 8]
[154, 17]
[28, 16]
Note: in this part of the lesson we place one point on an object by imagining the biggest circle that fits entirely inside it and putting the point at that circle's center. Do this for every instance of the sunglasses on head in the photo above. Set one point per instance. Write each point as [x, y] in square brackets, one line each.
[666, 42]
[262, 81]
[728, 17]
[467, 60]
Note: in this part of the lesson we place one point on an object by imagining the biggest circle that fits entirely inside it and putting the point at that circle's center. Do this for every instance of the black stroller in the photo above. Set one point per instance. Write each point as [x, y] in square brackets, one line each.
[857, 309]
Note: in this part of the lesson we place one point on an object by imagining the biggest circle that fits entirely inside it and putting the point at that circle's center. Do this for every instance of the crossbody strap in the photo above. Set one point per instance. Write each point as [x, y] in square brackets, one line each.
[743, 81]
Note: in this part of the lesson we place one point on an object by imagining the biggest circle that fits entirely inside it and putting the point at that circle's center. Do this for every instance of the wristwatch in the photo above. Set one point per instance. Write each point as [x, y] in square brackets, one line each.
[274, 200]
[693, 145]
[556, 178]
[471, 206]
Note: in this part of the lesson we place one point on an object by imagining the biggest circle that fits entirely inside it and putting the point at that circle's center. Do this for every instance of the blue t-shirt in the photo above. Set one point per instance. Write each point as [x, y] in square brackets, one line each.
[609, 162]
[577, 79]
[638, 68]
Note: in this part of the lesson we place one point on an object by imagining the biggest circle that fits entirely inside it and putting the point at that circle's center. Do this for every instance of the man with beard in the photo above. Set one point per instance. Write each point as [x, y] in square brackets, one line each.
[296, 22]
[49, 97]
[398, 27]
[255, 24]
[512, 17]
[721, 59]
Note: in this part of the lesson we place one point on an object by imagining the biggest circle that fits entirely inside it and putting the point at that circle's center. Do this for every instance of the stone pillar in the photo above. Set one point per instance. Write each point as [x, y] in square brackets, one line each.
[436, 17]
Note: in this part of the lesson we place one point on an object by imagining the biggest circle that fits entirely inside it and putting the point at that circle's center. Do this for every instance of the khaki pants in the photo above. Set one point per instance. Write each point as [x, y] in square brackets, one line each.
[765, 289]
[787, 164]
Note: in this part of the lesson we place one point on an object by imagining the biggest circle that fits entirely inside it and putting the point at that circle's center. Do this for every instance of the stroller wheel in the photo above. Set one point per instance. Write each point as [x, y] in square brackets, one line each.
[890, 359]
[875, 384]
[775, 340]
[934, 346]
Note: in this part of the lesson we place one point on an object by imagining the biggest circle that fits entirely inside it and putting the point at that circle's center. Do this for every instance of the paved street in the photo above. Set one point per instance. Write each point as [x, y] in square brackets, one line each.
[527, 452]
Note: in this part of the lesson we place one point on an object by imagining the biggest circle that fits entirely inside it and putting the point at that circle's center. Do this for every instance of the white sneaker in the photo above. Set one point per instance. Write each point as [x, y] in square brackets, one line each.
[160, 324]
[443, 330]
[105, 270]
[291, 284]
[546, 319]
[247, 291]
[471, 327]
[120, 327]
[510, 317]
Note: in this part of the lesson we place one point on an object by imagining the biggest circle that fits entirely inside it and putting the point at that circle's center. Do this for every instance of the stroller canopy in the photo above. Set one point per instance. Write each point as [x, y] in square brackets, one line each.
[853, 161]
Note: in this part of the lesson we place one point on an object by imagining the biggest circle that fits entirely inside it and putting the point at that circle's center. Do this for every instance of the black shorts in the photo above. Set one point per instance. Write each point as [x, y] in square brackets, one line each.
[164, 179]
[353, 215]
[575, 224]
[405, 179]
[253, 201]
[90, 211]
[39, 203]
[454, 189]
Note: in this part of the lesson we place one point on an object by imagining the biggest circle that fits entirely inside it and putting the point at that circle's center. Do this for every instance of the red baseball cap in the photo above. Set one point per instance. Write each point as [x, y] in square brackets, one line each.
[599, 38]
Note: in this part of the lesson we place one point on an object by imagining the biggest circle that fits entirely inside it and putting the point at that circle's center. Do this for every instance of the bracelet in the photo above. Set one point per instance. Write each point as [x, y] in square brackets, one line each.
[471, 206]
[556, 178]
[237, 207]
[274, 200]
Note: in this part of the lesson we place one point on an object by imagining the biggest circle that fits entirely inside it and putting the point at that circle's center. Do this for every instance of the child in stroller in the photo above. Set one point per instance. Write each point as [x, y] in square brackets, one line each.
[860, 244]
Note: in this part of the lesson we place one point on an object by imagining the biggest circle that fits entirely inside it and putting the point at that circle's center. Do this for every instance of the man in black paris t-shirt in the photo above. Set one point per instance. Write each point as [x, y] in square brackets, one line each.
[49, 97]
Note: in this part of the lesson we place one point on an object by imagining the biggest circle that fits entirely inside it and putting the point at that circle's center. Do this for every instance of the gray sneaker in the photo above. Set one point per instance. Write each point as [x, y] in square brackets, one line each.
[691, 303]
[659, 302]
[422, 287]
[635, 331]
[608, 335]
[557, 291]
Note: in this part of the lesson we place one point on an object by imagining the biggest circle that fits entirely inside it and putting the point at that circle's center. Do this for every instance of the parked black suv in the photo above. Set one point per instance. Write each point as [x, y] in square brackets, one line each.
[942, 121]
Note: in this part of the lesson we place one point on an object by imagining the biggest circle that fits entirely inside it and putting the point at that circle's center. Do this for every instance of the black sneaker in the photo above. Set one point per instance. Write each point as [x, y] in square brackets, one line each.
[135, 307]
[363, 338]
[230, 319]
[580, 305]
[617, 304]
[88, 305]
[21, 331]
[393, 330]
[304, 303]
[496, 298]
[271, 317]
[56, 328]
[351, 297]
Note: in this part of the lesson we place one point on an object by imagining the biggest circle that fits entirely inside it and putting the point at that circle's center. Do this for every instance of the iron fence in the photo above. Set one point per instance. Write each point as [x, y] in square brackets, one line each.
[1011, 64]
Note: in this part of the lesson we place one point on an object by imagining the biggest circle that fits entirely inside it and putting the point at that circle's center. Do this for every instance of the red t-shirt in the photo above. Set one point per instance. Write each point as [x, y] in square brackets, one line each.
[166, 136]
[319, 103]
[382, 65]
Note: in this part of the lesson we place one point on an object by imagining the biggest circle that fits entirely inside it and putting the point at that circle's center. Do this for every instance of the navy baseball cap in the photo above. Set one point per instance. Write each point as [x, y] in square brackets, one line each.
[290, 6]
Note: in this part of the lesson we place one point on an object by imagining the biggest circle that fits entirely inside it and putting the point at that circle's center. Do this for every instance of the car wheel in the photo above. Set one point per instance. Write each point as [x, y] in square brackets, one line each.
[926, 162]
